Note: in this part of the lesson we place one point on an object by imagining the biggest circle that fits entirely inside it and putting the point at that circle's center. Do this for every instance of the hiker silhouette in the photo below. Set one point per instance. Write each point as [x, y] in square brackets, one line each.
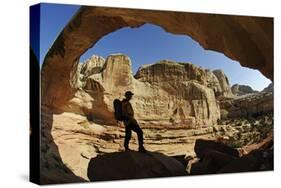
[131, 123]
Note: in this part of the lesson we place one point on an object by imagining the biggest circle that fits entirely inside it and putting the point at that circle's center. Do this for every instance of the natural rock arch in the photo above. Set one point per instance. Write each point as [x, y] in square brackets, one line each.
[248, 40]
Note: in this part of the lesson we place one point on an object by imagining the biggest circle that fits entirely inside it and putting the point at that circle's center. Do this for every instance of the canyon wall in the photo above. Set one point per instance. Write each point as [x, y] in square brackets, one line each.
[166, 92]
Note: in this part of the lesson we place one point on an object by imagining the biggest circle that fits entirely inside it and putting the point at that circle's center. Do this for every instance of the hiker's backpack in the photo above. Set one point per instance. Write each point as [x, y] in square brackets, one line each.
[117, 104]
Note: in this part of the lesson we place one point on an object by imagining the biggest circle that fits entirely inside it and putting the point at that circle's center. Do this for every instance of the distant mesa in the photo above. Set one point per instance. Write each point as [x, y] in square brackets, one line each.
[247, 102]
[242, 90]
[132, 165]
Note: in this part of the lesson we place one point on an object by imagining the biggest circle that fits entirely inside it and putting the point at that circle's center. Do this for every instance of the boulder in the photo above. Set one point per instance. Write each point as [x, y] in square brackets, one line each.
[213, 161]
[219, 158]
[255, 157]
[246, 163]
[132, 165]
[203, 147]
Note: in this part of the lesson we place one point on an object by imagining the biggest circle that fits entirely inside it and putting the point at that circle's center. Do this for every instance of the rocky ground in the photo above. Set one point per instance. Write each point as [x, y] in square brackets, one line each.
[79, 140]
[175, 103]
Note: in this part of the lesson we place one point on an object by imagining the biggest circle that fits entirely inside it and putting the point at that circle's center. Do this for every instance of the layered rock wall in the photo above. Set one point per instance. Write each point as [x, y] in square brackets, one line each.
[166, 92]
[247, 106]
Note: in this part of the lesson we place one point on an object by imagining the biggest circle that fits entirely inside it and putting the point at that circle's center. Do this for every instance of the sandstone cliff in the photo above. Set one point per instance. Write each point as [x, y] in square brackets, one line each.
[92, 65]
[191, 89]
[224, 84]
[166, 92]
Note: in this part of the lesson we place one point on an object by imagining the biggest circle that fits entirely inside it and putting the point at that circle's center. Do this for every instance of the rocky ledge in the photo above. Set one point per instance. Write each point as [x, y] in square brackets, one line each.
[133, 165]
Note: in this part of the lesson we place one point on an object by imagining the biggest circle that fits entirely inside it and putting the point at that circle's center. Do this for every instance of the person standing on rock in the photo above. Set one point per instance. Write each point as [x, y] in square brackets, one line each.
[131, 123]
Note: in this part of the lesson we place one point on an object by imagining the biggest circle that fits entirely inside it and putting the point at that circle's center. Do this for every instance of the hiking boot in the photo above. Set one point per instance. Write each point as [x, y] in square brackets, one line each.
[127, 149]
[142, 149]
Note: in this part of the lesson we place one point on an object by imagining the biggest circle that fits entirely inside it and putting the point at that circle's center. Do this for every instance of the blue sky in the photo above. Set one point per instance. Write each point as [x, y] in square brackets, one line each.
[54, 17]
[145, 45]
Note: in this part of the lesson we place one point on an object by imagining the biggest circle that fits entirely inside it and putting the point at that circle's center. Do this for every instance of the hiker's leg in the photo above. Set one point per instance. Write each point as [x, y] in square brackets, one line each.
[128, 134]
[135, 127]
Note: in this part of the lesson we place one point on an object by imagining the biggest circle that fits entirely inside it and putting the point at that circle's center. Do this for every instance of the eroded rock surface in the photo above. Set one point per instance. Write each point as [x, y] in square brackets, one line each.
[247, 105]
[175, 104]
[249, 40]
[225, 90]
[78, 140]
[68, 145]
[171, 93]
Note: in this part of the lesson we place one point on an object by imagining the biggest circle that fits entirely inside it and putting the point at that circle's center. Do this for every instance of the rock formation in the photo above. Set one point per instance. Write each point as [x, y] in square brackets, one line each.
[218, 158]
[92, 65]
[247, 102]
[247, 106]
[69, 142]
[269, 88]
[190, 88]
[79, 140]
[224, 84]
[249, 40]
[175, 103]
[242, 90]
[170, 92]
[168, 75]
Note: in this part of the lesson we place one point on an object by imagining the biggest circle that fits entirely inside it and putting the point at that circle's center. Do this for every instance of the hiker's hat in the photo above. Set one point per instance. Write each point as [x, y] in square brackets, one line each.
[129, 93]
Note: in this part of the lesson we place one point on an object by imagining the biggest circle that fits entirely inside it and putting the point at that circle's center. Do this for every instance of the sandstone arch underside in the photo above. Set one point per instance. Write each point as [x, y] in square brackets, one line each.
[249, 40]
